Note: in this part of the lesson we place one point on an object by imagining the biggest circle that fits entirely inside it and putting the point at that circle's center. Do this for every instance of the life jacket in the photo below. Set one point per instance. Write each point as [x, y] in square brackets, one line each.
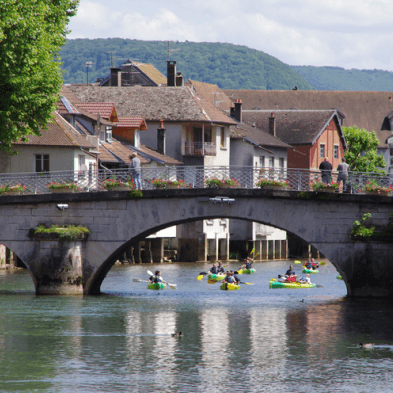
[213, 270]
[220, 269]
[230, 279]
[249, 265]
[290, 279]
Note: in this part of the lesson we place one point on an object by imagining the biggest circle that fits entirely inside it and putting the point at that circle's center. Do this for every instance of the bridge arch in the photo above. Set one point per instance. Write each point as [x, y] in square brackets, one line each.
[325, 221]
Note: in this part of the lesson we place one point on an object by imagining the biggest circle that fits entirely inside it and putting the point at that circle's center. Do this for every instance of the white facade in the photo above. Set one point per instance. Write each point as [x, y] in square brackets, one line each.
[58, 159]
[244, 153]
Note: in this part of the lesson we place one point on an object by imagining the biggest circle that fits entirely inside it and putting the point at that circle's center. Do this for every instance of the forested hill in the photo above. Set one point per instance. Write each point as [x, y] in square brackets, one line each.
[336, 78]
[226, 65]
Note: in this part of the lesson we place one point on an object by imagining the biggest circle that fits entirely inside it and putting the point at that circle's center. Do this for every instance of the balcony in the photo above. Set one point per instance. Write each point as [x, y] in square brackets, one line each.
[199, 149]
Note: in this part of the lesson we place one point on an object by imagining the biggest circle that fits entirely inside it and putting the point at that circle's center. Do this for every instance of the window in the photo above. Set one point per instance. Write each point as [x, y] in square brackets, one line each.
[102, 134]
[271, 162]
[42, 162]
[335, 151]
[82, 163]
[281, 163]
[322, 151]
[262, 161]
[108, 134]
[222, 138]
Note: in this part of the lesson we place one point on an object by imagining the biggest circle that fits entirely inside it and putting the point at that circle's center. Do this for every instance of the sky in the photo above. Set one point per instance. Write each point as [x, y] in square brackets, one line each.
[343, 33]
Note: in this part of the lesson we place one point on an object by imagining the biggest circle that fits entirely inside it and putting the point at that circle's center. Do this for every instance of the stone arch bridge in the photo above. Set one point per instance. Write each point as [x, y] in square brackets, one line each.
[117, 221]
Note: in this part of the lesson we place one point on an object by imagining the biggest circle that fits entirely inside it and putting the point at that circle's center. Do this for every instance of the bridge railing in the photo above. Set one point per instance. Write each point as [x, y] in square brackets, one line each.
[193, 177]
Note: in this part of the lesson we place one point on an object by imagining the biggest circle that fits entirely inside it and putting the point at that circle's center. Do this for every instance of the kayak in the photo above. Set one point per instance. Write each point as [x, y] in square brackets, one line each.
[297, 261]
[156, 285]
[310, 271]
[246, 271]
[227, 286]
[213, 278]
[293, 285]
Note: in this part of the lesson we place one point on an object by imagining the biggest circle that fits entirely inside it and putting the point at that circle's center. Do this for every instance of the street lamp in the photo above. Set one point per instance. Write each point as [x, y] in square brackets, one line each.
[88, 64]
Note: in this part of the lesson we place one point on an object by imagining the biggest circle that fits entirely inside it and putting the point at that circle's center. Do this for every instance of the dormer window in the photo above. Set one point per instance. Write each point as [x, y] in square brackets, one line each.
[108, 132]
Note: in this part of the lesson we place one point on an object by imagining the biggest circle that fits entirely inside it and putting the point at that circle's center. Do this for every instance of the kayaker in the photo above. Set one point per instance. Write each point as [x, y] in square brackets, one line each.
[290, 271]
[308, 265]
[305, 279]
[247, 263]
[237, 279]
[220, 268]
[229, 279]
[314, 264]
[156, 277]
[214, 269]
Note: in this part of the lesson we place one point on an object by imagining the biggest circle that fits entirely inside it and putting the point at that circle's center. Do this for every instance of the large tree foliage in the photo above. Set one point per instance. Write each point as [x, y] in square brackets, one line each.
[361, 154]
[31, 35]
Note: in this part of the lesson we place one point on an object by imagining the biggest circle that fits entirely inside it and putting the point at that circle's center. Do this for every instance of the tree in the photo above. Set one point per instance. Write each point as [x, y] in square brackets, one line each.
[361, 154]
[31, 35]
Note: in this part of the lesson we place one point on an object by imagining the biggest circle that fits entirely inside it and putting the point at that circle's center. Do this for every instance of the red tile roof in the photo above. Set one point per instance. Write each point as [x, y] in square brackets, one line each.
[137, 122]
[104, 109]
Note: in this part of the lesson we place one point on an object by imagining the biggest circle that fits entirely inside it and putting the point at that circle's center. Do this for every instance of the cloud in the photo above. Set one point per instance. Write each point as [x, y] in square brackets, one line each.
[346, 33]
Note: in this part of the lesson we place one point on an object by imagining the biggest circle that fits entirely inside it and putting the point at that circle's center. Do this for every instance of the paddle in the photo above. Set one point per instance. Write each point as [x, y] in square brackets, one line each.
[297, 261]
[172, 286]
[247, 283]
[201, 275]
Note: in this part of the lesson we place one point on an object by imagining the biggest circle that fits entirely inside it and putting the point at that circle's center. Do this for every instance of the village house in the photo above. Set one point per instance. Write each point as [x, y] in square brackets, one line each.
[252, 148]
[183, 126]
[371, 110]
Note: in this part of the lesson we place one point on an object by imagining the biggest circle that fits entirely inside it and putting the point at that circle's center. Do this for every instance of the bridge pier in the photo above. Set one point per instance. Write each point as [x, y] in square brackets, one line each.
[56, 266]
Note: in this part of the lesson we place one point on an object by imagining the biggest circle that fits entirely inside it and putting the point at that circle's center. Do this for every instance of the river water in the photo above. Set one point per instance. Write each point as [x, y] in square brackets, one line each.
[253, 340]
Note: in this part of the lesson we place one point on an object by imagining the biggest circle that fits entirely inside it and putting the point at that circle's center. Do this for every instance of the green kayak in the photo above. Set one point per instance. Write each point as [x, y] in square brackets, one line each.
[310, 271]
[213, 278]
[156, 285]
[293, 285]
[246, 271]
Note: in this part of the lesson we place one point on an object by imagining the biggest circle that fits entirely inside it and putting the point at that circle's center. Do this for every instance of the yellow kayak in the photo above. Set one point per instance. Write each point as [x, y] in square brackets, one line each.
[246, 271]
[294, 285]
[229, 287]
[213, 278]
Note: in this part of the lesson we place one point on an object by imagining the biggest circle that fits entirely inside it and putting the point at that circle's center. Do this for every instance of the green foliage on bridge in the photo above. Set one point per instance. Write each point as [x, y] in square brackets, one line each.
[64, 232]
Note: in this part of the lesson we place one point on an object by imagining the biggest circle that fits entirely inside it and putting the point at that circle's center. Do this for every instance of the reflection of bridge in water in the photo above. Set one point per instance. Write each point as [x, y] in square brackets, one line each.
[116, 221]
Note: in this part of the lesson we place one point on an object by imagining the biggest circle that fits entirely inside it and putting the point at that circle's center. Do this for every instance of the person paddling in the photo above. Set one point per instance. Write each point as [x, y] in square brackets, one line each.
[220, 268]
[214, 269]
[156, 277]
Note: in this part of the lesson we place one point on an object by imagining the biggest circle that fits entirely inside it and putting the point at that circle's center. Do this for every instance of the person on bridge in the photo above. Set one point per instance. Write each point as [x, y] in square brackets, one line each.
[135, 170]
[214, 269]
[326, 170]
[156, 277]
[343, 174]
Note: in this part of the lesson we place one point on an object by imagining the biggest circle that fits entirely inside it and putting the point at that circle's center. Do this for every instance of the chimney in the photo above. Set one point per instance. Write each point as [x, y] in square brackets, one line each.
[272, 124]
[114, 76]
[237, 113]
[171, 73]
[179, 79]
[161, 140]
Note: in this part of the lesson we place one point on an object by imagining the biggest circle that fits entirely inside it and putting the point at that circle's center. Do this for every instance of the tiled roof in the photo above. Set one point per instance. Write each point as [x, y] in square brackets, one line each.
[136, 122]
[211, 93]
[152, 73]
[365, 109]
[117, 152]
[294, 126]
[263, 138]
[154, 103]
[105, 109]
[59, 133]
[153, 153]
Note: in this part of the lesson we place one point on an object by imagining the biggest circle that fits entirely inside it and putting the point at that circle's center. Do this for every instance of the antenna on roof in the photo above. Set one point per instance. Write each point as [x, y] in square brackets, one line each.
[171, 50]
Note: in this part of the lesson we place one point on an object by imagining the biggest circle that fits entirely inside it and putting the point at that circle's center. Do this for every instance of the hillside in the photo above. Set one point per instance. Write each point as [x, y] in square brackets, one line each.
[336, 78]
[229, 66]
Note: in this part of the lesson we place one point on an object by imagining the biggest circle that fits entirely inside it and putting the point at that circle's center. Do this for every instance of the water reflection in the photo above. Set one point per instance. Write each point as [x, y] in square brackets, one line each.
[252, 340]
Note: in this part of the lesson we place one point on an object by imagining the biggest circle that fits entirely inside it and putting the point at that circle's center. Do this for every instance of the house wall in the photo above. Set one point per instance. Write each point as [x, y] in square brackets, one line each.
[60, 159]
[222, 156]
[299, 157]
[329, 137]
